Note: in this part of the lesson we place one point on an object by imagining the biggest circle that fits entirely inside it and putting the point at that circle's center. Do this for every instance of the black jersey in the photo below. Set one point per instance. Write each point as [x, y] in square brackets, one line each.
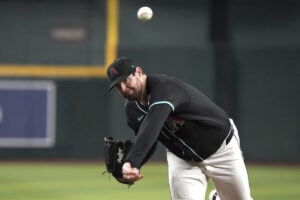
[178, 115]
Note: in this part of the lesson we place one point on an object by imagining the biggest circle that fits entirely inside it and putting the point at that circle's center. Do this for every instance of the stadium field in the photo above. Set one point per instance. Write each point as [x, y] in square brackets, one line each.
[84, 181]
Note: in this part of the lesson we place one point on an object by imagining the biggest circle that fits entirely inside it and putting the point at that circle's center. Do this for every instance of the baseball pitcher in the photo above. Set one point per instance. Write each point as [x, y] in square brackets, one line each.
[201, 141]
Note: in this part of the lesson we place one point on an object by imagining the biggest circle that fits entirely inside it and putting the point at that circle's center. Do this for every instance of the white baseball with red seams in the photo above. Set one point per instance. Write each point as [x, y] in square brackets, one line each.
[145, 13]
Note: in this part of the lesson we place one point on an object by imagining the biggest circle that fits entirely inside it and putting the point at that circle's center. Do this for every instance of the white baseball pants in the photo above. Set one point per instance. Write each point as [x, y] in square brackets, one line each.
[226, 168]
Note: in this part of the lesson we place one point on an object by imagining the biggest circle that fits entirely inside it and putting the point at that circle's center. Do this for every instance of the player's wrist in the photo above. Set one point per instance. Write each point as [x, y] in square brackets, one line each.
[132, 163]
[126, 165]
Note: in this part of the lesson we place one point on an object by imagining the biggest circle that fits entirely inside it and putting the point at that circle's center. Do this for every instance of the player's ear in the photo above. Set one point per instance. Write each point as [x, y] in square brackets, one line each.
[139, 70]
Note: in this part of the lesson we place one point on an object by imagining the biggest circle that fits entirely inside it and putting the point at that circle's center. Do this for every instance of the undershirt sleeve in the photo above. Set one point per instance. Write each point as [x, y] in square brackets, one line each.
[148, 133]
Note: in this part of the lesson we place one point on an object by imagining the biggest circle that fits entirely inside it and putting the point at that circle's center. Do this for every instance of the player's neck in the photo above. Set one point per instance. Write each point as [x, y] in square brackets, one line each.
[144, 99]
[144, 103]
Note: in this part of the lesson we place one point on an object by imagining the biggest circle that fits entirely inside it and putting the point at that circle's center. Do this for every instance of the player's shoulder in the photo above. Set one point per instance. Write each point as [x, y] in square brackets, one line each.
[164, 82]
[160, 79]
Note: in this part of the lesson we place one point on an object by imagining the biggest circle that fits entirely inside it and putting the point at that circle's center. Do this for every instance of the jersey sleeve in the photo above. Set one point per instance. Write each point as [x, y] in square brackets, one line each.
[131, 116]
[147, 134]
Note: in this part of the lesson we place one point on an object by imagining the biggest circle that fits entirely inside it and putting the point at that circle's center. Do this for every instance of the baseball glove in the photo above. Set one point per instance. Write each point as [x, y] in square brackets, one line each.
[115, 152]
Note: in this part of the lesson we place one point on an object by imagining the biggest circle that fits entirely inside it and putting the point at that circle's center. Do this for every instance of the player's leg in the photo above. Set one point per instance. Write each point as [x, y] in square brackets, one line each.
[227, 170]
[187, 181]
[234, 183]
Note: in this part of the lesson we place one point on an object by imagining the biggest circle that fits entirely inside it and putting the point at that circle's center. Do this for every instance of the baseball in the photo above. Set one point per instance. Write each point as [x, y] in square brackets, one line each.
[145, 13]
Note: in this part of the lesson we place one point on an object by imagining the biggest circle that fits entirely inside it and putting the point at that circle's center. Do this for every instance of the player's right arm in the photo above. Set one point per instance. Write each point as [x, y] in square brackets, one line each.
[132, 114]
[148, 133]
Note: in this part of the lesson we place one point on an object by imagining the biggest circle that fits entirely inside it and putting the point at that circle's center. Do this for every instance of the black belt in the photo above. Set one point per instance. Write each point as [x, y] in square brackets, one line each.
[230, 134]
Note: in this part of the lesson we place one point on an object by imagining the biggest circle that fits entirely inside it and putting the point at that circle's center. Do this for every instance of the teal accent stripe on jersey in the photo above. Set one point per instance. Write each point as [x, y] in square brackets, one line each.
[163, 102]
[139, 107]
[182, 142]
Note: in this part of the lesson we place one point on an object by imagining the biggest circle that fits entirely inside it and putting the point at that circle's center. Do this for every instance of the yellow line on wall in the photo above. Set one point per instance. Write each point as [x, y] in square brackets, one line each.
[112, 31]
[73, 71]
[44, 71]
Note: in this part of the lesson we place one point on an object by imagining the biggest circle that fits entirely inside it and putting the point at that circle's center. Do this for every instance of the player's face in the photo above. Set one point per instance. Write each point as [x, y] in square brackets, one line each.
[131, 88]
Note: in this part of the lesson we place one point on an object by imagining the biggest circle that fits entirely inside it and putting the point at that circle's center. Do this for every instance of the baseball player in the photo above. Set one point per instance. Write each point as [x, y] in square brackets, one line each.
[202, 142]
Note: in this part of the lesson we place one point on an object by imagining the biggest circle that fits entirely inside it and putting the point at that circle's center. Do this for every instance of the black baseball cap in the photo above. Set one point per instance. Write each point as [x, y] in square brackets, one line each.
[119, 70]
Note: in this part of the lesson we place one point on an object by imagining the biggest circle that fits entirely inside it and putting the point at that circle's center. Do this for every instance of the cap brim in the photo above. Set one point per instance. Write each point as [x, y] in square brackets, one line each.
[116, 81]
